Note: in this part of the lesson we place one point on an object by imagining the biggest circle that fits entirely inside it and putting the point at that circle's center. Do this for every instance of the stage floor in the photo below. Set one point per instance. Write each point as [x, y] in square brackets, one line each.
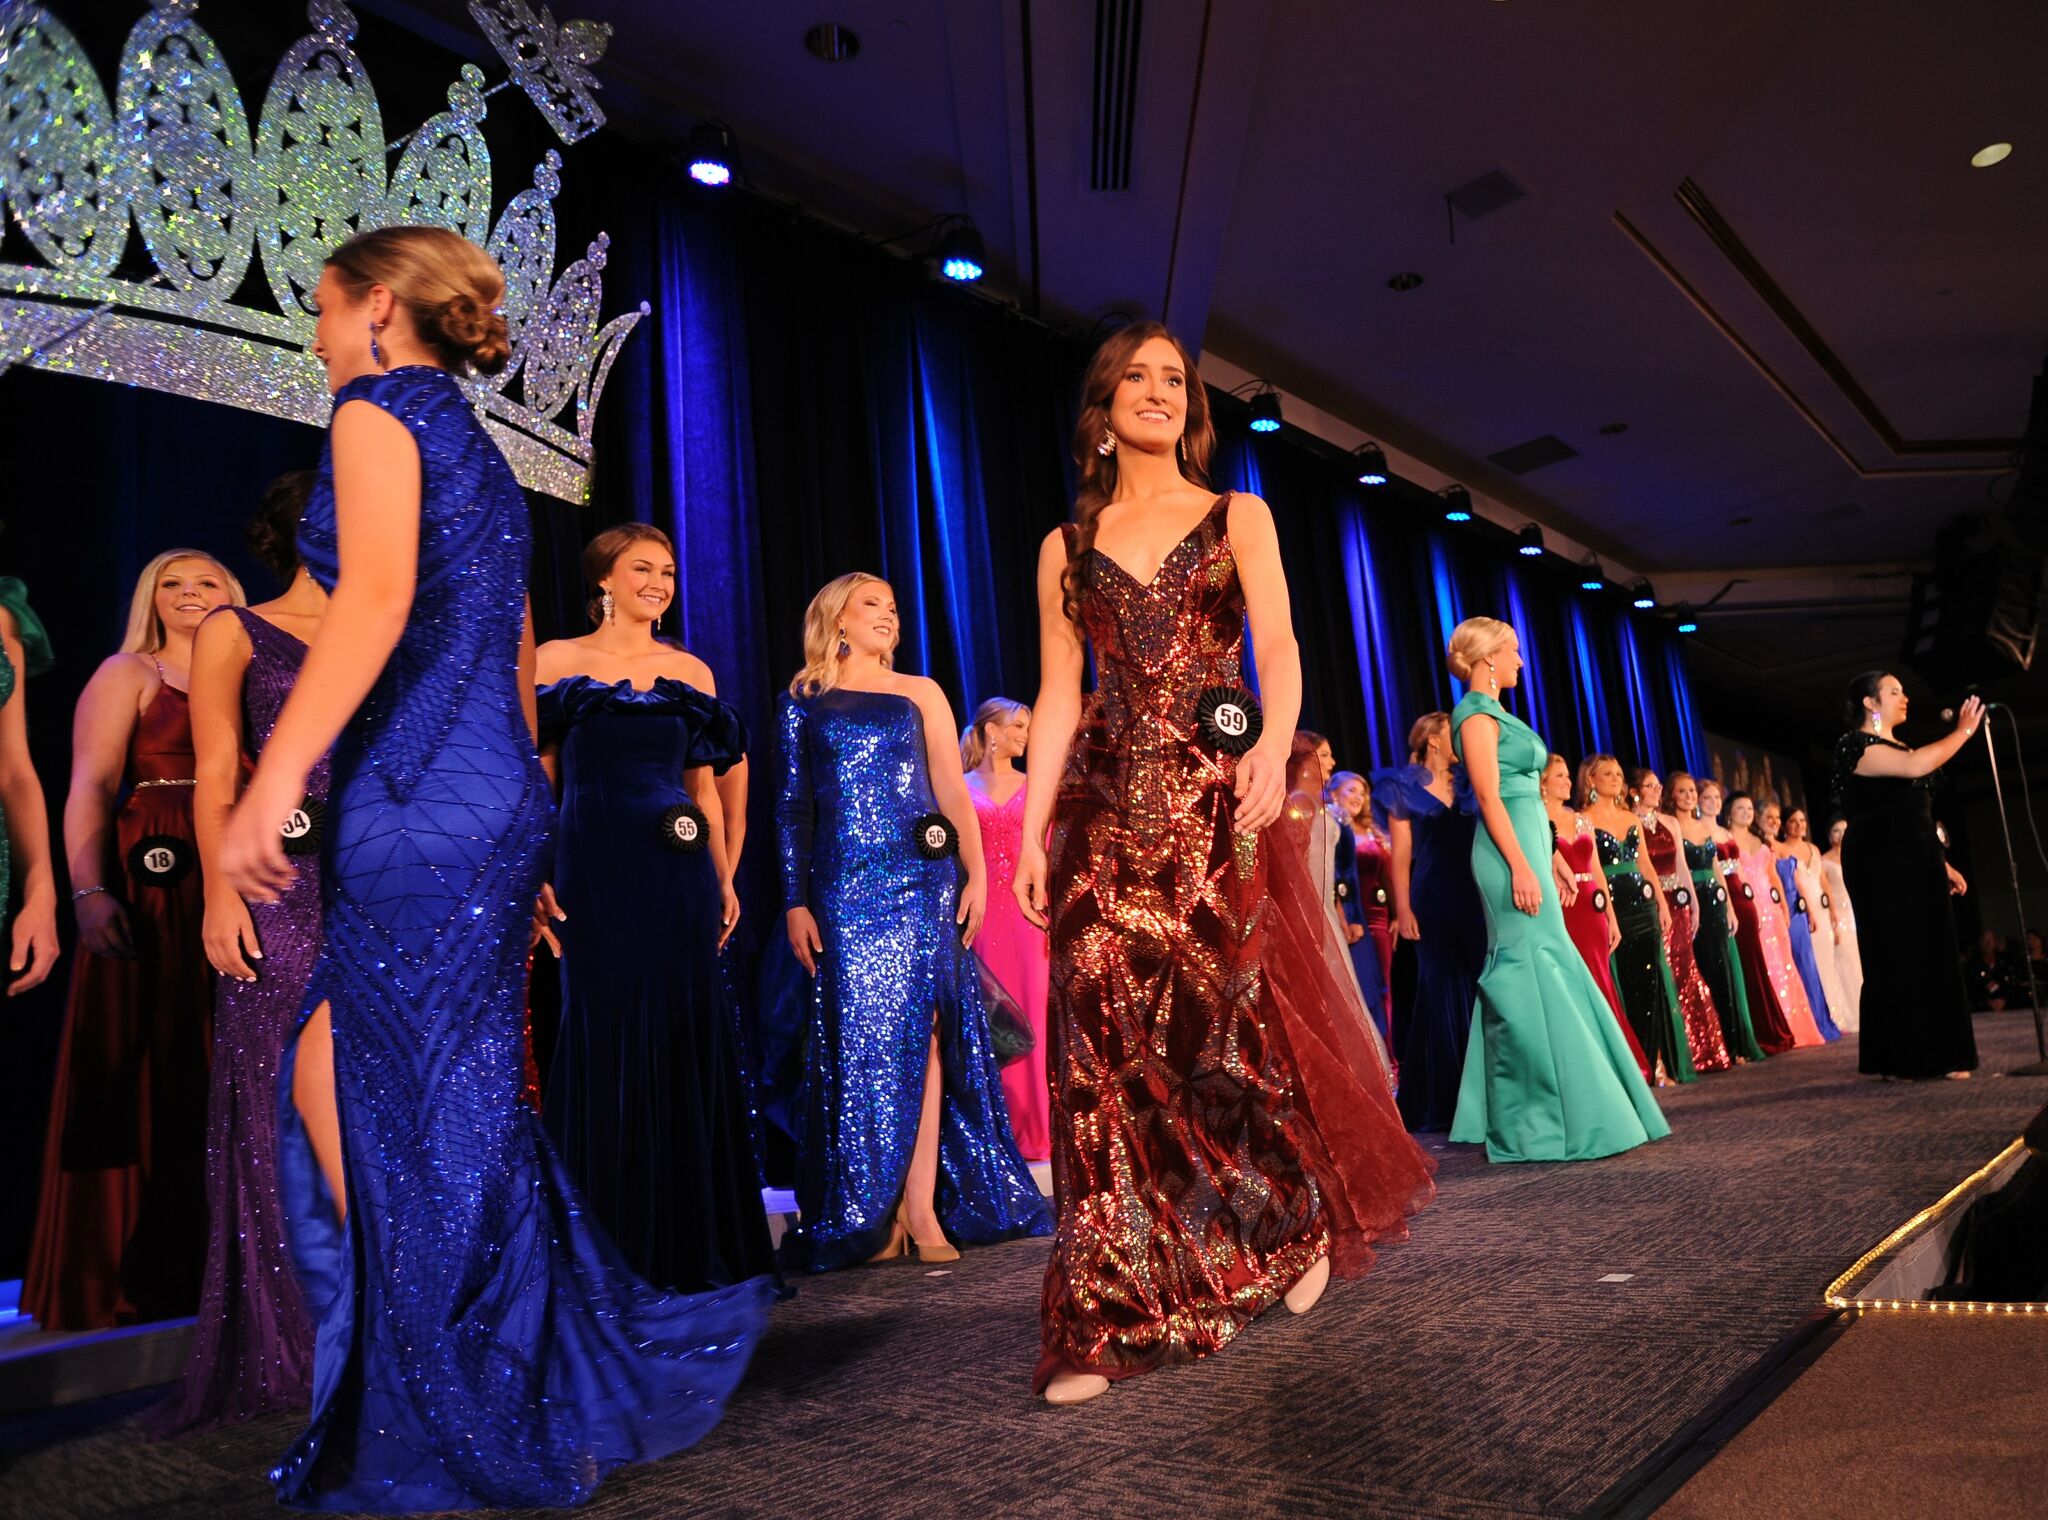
[1545, 1333]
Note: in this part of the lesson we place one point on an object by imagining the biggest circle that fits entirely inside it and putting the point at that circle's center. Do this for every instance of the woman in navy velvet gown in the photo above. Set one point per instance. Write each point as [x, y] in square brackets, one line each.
[647, 1100]
[477, 1341]
[903, 1135]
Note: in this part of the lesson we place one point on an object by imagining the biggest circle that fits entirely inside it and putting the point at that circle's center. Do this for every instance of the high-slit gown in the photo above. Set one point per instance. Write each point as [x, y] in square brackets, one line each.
[1220, 1113]
[1715, 950]
[1642, 973]
[478, 1342]
[856, 786]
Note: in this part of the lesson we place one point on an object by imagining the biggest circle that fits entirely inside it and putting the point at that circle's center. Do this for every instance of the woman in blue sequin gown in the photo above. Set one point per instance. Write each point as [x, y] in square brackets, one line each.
[1427, 809]
[903, 1135]
[477, 1341]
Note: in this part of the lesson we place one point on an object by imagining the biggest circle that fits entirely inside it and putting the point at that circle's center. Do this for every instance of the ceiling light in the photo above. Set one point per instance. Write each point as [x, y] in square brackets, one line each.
[1530, 541]
[959, 253]
[1266, 412]
[710, 153]
[1641, 595]
[1457, 504]
[1997, 153]
[1371, 461]
[1590, 578]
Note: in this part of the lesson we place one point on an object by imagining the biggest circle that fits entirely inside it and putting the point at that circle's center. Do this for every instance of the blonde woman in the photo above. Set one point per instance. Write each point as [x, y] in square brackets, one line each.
[904, 1144]
[1548, 1076]
[121, 1228]
[1010, 948]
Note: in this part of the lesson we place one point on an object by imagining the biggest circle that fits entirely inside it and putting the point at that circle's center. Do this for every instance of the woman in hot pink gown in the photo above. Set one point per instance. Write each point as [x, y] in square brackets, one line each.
[1013, 951]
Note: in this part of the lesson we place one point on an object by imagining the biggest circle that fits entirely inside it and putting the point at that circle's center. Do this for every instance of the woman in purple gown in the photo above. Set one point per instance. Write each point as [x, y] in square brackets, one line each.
[252, 1351]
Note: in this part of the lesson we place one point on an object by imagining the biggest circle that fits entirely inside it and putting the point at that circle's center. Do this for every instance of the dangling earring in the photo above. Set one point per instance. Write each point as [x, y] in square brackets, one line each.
[376, 353]
[1181, 446]
[1876, 721]
[1108, 445]
[845, 648]
[604, 600]
[1492, 678]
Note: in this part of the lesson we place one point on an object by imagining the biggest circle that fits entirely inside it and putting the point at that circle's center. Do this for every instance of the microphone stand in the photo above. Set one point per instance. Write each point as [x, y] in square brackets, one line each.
[2035, 1068]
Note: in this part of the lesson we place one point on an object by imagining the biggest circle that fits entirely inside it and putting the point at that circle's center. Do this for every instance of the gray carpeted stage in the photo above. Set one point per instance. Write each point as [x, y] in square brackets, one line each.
[1529, 1352]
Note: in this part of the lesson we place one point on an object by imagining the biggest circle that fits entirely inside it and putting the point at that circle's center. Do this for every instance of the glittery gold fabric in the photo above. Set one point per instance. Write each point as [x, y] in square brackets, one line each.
[1193, 1182]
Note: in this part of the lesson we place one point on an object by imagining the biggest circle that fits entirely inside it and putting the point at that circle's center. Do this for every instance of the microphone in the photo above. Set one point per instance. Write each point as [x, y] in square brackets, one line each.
[1948, 714]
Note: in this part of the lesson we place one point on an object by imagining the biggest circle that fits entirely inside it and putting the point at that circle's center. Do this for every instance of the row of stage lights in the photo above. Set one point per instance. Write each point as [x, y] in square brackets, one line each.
[711, 159]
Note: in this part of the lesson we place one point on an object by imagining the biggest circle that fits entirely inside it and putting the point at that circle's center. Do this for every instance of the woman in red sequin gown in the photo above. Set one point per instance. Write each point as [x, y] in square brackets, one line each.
[120, 1234]
[1223, 1131]
[1707, 1046]
[1589, 916]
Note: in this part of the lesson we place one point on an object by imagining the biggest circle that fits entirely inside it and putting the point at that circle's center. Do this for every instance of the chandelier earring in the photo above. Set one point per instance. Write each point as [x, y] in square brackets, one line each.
[376, 353]
[845, 648]
[1108, 445]
[604, 600]
[1875, 721]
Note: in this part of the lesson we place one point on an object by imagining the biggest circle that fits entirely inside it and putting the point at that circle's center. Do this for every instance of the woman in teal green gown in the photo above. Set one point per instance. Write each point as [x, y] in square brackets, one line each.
[1548, 1075]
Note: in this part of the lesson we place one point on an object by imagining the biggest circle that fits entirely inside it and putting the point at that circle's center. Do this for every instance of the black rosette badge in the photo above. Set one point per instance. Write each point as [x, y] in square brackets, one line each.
[1682, 897]
[935, 836]
[302, 826]
[161, 860]
[685, 829]
[1648, 891]
[1229, 718]
[1599, 901]
[1343, 891]
[1776, 895]
[1799, 903]
[1379, 896]
[1748, 892]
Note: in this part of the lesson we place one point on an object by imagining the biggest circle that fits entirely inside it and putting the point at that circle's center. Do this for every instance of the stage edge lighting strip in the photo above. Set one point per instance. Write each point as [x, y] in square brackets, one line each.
[1835, 1294]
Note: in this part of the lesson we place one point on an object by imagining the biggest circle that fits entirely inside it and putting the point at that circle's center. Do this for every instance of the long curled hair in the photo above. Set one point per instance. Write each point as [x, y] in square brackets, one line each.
[821, 634]
[1586, 768]
[1096, 471]
[974, 737]
[145, 633]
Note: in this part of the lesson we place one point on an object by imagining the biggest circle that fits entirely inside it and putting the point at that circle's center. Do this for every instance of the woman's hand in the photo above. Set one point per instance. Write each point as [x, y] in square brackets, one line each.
[803, 938]
[1567, 880]
[229, 935]
[1406, 926]
[1353, 933]
[252, 860]
[1968, 717]
[1613, 932]
[103, 926]
[728, 911]
[973, 907]
[546, 914]
[1956, 884]
[1261, 786]
[35, 944]
[1028, 886]
[1528, 891]
[1663, 916]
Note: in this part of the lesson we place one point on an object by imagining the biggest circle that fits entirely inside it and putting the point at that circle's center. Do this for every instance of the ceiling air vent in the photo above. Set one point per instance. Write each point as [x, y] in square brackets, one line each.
[1534, 455]
[1485, 195]
[1116, 92]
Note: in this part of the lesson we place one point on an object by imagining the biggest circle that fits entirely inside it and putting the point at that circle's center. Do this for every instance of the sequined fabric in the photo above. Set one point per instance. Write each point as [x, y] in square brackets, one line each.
[1586, 917]
[1716, 953]
[478, 1342]
[120, 1231]
[1703, 1038]
[1773, 941]
[855, 779]
[1182, 1161]
[1015, 954]
[1642, 975]
[252, 1350]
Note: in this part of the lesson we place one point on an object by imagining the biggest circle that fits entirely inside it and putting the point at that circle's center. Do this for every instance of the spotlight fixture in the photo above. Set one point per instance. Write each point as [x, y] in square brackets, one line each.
[959, 254]
[1687, 623]
[1996, 153]
[1530, 541]
[1266, 412]
[1641, 596]
[1590, 578]
[710, 154]
[1371, 460]
[1457, 504]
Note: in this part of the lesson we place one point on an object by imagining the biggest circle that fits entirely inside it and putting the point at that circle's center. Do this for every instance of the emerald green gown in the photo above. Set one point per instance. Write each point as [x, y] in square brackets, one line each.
[1548, 1075]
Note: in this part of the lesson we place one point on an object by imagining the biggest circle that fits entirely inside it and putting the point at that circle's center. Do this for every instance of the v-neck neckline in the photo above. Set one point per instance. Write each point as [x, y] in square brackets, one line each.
[1167, 558]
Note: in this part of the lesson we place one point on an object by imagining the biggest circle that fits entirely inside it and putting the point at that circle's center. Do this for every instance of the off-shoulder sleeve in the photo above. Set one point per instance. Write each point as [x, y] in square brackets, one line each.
[560, 705]
[36, 653]
[718, 735]
[796, 807]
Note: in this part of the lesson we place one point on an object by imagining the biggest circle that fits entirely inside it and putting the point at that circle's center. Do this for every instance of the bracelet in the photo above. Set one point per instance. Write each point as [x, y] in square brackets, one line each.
[84, 892]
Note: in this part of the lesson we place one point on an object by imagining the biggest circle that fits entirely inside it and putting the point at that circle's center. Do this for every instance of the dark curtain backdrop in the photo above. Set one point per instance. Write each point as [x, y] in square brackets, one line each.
[797, 404]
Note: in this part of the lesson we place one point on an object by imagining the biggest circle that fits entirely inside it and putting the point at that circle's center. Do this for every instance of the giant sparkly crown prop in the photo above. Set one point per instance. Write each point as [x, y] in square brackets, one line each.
[178, 157]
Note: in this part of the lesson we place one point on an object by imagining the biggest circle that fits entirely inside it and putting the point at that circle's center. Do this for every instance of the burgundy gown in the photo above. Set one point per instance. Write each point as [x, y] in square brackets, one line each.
[1586, 919]
[1373, 864]
[252, 1351]
[1221, 1117]
[120, 1230]
[1703, 1037]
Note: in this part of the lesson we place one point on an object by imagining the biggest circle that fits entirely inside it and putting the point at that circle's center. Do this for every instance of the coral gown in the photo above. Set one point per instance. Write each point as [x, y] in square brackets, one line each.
[1015, 954]
[1220, 1117]
[1586, 918]
[1703, 1036]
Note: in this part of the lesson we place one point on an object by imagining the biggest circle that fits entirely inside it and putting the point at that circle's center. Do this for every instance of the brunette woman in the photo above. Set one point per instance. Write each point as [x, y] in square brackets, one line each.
[1713, 941]
[1642, 973]
[121, 1229]
[1590, 914]
[1368, 905]
[1786, 1022]
[1705, 1043]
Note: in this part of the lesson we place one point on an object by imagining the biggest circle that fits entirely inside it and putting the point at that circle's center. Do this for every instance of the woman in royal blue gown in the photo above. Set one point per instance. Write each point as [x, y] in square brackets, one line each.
[477, 1341]
[903, 1135]
[647, 1099]
[1427, 809]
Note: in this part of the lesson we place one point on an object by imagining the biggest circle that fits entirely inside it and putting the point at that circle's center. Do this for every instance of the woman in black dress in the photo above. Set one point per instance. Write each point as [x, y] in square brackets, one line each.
[1916, 1019]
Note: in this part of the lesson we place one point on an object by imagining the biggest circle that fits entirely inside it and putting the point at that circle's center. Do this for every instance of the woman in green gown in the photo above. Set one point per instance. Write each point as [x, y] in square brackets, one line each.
[1548, 1075]
[31, 944]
